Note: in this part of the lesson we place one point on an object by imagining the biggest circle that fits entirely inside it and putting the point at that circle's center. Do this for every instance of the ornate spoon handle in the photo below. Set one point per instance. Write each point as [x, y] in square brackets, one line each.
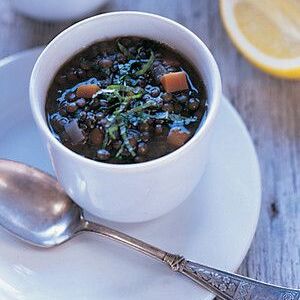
[229, 286]
[225, 285]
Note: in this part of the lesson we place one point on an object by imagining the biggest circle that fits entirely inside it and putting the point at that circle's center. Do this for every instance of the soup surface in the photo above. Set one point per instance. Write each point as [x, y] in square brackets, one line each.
[126, 100]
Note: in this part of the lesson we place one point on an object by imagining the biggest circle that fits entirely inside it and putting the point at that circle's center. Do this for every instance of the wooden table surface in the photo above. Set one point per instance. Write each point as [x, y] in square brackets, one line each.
[270, 108]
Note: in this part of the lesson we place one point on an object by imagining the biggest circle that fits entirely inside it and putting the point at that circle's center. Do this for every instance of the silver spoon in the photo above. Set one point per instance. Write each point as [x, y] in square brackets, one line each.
[35, 209]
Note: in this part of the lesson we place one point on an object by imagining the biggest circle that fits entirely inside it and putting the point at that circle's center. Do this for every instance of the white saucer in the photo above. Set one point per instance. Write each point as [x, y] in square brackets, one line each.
[215, 226]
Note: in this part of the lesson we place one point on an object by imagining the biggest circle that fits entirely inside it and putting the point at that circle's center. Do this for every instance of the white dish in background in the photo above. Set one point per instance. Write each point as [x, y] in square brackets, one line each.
[215, 226]
[57, 10]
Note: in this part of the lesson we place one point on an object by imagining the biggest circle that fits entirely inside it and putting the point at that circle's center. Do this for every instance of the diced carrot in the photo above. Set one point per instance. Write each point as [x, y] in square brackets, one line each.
[174, 82]
[178, 136]
[87, 91]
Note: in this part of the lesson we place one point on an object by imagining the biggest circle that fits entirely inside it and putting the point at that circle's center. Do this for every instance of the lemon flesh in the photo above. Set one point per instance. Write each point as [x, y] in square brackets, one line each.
[272, 26]
[267, 32]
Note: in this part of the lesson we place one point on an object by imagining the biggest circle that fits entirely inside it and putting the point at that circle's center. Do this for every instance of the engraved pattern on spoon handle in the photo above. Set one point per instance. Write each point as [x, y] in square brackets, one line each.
[229, 286]
[225, 285]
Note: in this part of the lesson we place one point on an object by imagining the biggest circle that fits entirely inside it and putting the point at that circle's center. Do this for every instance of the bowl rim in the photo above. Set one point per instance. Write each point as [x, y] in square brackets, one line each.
[204, 128]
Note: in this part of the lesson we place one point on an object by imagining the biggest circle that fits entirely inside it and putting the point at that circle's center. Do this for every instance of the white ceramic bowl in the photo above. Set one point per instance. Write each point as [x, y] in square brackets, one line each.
[57, 10]
[133, 192]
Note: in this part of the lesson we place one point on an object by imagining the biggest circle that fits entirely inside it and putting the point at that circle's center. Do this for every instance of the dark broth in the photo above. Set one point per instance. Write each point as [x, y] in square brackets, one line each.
[109, 102]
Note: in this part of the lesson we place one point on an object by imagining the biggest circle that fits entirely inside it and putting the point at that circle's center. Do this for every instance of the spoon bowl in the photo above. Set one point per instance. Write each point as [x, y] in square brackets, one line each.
[34, 207]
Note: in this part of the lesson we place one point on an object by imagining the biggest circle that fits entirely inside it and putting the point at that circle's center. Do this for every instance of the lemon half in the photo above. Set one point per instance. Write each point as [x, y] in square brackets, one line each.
[267, 32]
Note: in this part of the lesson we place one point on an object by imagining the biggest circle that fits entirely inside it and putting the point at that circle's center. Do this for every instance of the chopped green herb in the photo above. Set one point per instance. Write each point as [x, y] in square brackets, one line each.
[106, 140]
[124, 50]
[112, 130]
[140, 108]
[123, 132]
[146, 67]
[120, 88]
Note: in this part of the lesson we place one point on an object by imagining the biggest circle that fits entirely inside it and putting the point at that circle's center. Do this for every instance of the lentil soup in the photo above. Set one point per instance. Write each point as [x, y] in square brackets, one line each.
[126, 100]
